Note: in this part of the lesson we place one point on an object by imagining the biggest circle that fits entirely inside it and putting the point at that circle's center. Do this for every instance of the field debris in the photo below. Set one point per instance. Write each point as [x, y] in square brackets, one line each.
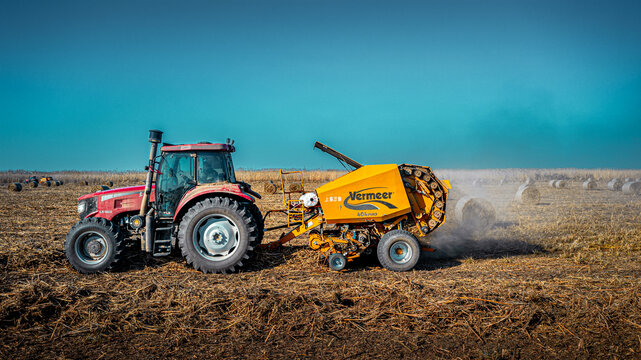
[555, 281]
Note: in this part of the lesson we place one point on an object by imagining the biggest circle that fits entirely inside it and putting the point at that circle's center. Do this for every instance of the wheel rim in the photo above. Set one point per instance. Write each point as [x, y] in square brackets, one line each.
[338, 262]
[400, 252]
[216, 237]
[91, 248]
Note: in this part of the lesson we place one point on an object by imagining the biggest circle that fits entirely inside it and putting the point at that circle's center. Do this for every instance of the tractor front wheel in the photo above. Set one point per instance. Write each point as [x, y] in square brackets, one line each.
[93, 245]
[398, 250]
[217, 234]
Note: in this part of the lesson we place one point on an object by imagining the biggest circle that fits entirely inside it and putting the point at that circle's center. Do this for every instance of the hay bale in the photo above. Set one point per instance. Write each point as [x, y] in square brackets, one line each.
[33, 184]
[551, 183]
[97, 188]
[16, 186]
[528, 195]
[475, 214]
[270, 188]
[589, 184]
[632, 188]
[615, 185]
[296, 187]
[560, 184]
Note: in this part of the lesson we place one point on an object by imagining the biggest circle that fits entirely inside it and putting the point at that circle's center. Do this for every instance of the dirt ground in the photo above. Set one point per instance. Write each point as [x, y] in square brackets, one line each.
[554, 280]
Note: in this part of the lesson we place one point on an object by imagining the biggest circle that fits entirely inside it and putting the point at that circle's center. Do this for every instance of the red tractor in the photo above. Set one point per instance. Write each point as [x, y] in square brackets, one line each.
[191, 199]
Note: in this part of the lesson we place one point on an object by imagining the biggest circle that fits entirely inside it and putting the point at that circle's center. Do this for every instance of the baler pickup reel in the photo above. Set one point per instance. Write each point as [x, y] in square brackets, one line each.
[383, 207]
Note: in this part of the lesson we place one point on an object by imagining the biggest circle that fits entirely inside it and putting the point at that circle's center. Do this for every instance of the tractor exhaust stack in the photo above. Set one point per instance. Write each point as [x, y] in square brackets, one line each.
[155, 136]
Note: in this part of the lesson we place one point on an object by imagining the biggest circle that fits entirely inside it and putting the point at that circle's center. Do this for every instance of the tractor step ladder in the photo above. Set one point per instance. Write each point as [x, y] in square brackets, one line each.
[162, 246]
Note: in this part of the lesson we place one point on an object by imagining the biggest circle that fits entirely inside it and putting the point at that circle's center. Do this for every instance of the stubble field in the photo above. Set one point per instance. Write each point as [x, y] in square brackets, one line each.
[555, 280]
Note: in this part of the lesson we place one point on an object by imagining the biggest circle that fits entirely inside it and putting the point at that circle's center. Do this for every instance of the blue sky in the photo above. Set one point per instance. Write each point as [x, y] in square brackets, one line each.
[448, 84]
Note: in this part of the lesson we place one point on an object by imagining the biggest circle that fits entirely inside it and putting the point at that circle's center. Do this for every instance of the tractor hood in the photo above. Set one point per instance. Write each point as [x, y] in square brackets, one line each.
[115, 192]
[110, 203]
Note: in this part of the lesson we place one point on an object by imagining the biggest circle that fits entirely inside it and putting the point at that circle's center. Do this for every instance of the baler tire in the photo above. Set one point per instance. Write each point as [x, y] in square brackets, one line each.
[337, 261]
[236, 214]
[405, 241]
[260, 222]
[106, 233]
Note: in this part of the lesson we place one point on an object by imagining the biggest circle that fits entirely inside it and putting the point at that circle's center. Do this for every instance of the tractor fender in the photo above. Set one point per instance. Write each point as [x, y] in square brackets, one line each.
[201, 192]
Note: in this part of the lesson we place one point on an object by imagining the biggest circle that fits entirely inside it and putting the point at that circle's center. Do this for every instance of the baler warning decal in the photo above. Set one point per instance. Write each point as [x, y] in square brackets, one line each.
[368, 198]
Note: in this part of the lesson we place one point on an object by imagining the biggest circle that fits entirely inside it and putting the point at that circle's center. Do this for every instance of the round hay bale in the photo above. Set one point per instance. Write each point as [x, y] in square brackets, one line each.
[589, 185]
[632, 188]
[47, 183]
[560, 184]
[475, 214]
[269, 188]
[97, 188]
[16, 186]
[615, 185]
[33, 184]
[528, 195]
[551, 183]
[296, 187]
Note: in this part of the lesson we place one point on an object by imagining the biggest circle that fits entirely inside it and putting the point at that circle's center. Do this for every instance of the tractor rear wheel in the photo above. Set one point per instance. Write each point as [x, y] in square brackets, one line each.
[398, 250]
[260, 222]
[217, 234]
[94, 245]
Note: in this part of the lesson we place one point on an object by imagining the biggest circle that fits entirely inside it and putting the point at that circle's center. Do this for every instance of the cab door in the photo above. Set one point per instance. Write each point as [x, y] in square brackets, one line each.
[177, 176]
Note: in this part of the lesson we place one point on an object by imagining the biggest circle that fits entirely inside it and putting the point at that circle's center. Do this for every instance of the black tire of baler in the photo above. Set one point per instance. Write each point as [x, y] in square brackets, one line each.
[110, 232]
[242, 218]
[387, 240]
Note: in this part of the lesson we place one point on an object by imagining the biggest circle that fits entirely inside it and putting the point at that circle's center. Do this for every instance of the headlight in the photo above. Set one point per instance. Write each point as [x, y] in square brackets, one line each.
[82, 205]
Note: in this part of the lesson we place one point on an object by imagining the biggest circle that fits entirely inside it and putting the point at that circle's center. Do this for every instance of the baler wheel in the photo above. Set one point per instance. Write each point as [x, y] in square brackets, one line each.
[337, 262]
[398, 250]
[94, 245]
[217, 234]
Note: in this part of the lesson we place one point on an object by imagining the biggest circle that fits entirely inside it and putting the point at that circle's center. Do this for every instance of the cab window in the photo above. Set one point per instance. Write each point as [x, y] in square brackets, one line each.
[213, 167]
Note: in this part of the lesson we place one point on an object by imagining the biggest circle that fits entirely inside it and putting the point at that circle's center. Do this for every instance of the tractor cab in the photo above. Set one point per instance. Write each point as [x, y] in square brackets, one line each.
[184, 167]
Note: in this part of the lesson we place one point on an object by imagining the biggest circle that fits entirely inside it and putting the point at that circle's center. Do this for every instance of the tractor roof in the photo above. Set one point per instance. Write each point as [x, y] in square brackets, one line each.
[199, 147]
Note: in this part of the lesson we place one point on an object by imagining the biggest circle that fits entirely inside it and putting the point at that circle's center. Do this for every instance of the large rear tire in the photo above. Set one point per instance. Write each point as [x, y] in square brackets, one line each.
[94, 245]
[260, 222]
[217, 234]
[398, 250]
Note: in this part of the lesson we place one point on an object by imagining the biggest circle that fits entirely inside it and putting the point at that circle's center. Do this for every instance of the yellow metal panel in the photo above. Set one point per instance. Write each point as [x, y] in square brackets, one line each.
[369, 193]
